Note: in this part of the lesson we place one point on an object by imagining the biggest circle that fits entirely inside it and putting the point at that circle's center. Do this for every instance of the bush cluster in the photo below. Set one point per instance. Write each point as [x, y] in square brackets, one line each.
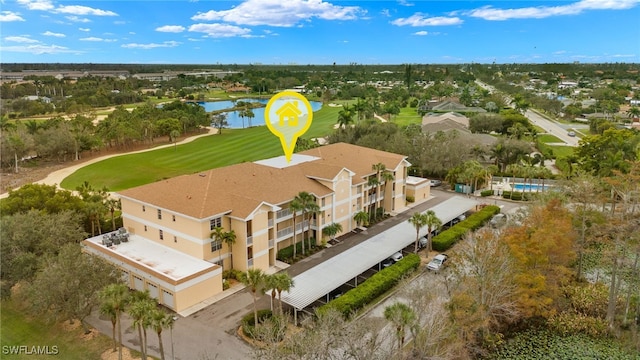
[518, 195]
[410, 199]
[286, 254]
[567, 324]
[231, 274]
[248, 321]
[375, 286]
[484, 193]
[447, 238]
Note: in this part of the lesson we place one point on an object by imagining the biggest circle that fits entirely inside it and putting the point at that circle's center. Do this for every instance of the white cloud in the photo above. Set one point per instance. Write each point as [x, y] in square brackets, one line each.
[385, 13]
[421, 33]
[419, 19]
[49, 33]
[7, 16]
[77, 19]
[37, 4]
[39, 49]
[405, 3]
[220, 30]
[21, 39]
[97, 39]
[171, 28]
[84, 29]
[539, 12]
[83, 10]
[165, 44]
[281, 13]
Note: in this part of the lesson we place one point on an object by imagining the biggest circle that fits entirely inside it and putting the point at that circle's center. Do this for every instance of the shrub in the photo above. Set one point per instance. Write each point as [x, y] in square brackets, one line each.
[410, 199]
[573, 323]
[248, 321]
[231, 274]
[375, 286]
[486, 193]
[447, 238]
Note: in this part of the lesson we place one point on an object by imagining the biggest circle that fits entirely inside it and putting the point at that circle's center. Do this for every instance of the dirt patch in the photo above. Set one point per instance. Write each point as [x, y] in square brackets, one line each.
[113, 355]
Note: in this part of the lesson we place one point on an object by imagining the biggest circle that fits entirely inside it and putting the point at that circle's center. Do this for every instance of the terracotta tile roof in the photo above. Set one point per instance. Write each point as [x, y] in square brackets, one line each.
[239, 189]
[355, 158]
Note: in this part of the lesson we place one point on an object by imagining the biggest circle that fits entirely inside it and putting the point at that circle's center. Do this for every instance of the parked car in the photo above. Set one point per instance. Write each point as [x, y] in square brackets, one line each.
[388, 262]
[438, 262]
[434, 183]
[571, 133]
[397, 256]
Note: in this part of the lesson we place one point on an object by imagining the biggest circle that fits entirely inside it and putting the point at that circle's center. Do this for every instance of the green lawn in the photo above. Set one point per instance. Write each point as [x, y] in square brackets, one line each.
[547, 138]
[18, 330]
[562, 151]
[231, 147]
[408, 115]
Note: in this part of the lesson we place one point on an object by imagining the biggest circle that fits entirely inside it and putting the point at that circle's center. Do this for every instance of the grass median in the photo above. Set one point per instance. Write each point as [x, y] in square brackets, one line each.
[231, 147]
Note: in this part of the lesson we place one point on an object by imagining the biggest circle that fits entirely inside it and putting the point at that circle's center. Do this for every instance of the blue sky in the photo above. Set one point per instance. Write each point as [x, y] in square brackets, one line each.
[319, 31]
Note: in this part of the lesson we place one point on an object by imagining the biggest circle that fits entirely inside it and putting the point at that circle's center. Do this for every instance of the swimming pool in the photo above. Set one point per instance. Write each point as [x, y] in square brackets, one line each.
[530, 187]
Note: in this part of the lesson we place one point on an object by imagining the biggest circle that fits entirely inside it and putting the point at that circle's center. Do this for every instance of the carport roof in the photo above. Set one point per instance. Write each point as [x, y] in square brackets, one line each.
[323, 278]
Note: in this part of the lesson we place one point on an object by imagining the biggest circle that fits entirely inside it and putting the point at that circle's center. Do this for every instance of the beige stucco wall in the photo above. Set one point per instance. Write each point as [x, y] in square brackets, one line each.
[197, 292]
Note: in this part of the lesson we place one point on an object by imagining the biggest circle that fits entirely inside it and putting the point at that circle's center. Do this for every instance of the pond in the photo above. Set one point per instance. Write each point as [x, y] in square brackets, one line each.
[236, 121]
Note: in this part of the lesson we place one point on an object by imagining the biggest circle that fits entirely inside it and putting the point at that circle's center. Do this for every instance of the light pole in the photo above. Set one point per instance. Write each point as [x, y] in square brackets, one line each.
[173, 356]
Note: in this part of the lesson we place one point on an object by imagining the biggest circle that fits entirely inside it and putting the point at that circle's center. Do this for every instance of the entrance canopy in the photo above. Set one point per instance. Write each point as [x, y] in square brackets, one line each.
[323, 278]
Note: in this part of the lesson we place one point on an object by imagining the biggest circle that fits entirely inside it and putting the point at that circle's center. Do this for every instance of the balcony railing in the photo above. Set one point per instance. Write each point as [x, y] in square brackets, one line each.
[284, 232]
[270, 223]
[282, 213]
[250, 263]
[249, 240]
[271, 243]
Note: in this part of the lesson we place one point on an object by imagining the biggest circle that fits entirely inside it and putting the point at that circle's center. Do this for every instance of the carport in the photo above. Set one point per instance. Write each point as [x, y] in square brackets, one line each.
[323, 278]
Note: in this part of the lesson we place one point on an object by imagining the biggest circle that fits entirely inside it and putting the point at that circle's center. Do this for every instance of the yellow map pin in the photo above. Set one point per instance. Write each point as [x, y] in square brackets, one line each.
[288, 115]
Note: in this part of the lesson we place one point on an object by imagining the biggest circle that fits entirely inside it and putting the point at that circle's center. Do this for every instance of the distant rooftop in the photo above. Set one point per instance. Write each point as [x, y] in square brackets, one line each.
[414, 180]
[280, 162]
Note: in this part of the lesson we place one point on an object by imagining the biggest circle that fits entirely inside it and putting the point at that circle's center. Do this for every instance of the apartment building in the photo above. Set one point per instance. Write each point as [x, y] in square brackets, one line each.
[179, 214]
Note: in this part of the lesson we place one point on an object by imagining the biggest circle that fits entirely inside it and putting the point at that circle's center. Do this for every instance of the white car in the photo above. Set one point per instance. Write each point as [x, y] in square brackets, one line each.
[397, 256]
[437, 263]
[434, 183]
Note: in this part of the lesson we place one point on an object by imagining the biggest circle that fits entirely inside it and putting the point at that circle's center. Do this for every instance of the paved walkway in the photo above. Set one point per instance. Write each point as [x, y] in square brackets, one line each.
[56, 177]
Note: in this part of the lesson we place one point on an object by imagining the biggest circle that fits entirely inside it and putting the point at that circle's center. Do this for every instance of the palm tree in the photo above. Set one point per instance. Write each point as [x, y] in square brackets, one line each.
[385, 176]
[295, 205]
[113, 205]
[229, 238]
[278, 283]
[432, 222]
[345, 117]
[401, 316]
[373, 182]
[255, 280]
[173, 136]
[107, 309]
[141, 308]
[161, 320]
[633, 112]
[249, 114]
[115, 297]
[218, 234]
[418, 220]
[361, 218]
[309, 207]
[332, 230]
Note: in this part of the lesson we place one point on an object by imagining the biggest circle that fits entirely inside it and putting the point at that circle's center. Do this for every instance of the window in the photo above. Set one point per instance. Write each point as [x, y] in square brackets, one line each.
[214, 223]
[159, 214]
[216, 245]
[173, 217]
[161, 235]
[144, 208]
[145, 228]
[175, 239]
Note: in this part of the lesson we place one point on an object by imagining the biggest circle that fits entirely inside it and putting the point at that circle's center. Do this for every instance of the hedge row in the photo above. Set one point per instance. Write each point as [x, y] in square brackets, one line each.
[249, 324]
[286, 254]
[518, 195]
[447, 238]
[486, 193]
[375, 286]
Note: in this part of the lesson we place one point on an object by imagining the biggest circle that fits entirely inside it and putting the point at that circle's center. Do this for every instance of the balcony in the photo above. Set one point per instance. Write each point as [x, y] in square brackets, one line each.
[284, 232]
[249, 240]
[250, 263]
[270, 223]
[271, 243]
[283, 213]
